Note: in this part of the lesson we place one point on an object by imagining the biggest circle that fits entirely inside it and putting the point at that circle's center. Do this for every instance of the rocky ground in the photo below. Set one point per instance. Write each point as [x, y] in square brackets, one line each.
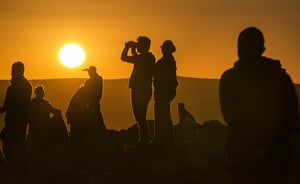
[199, 156]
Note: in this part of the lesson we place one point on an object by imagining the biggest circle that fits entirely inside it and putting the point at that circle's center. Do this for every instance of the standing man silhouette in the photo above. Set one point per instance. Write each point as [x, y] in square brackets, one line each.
[165, 83]
[140, 81]
[86, 120]
[259, 104]
[17, 108]
[94, 88]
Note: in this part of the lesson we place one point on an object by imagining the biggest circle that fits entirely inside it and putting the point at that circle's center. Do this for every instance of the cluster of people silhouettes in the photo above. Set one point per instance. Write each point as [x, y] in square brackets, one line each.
[257, 98]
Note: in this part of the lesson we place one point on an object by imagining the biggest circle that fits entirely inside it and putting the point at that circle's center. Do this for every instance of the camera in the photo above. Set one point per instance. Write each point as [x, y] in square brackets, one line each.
[131, 44]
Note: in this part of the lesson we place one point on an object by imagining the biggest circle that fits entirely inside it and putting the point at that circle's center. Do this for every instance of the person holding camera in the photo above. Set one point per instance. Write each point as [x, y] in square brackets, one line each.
[140, 81]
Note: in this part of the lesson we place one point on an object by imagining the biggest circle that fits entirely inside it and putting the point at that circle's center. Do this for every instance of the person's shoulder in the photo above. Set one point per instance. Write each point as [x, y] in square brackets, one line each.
[159, 61]
[33, 100]
[27, 83]
[99, 77]
[228, 73]
[45, 101]
[272, 63]
[9, 87]
[275, 67]
[37, 102]
[150, 56]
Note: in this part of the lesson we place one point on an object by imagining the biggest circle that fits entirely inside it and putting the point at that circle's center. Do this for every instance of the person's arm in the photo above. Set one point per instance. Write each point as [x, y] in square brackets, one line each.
[291, 105]
[124, 56]
[53, 110]
[228, 102]
[4, 106]
[2, 109]
[101, 87]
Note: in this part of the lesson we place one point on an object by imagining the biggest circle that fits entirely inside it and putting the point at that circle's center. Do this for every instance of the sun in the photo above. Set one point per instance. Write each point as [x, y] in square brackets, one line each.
[71, 55]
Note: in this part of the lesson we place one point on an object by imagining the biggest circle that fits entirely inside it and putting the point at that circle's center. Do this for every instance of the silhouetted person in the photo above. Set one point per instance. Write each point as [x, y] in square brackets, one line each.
[140, 81]
[77, 115]
[259, 104]
[16, 106]
[187, 122]
[94, 87]
[184, 114]
[165, 83]
[83, 113]
[40, 126]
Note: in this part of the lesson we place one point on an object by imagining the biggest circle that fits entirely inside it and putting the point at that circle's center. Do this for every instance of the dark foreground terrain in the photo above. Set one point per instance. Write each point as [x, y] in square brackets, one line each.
[198, 157]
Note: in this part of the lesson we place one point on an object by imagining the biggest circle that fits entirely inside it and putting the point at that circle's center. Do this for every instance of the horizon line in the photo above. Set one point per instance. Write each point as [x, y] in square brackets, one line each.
[104, 78]
[82, 78]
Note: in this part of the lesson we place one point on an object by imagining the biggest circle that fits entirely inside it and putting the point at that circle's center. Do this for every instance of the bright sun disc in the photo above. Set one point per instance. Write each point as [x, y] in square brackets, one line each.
[71, 55]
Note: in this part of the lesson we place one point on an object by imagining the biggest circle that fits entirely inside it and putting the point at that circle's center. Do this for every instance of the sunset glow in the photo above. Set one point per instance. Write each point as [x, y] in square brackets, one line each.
[71, 55]
[204, 32]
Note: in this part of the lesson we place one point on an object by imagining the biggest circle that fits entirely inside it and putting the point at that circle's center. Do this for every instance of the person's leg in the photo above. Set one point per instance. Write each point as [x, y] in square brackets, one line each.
[139, 106]
[167, 125]
[163, 122]
[157, 123]
[20, 148]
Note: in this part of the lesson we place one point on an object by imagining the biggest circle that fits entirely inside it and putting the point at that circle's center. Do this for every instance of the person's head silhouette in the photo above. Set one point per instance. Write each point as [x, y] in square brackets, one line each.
[39, 92]
[168, 47]
[17, 69]
[92, 70]
[251, 43]
[143, 44]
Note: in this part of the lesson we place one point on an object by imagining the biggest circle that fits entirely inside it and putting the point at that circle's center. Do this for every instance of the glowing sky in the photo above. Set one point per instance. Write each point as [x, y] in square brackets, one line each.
[204, 31]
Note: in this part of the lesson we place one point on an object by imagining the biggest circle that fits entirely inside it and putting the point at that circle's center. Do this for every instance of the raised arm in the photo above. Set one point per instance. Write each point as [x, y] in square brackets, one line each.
[124, 56]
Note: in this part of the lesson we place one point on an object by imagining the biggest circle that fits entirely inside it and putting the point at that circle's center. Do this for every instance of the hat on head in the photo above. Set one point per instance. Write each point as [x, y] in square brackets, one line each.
[90, 69]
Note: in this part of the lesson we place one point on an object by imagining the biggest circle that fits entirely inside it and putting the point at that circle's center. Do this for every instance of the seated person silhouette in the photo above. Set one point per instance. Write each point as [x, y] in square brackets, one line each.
[184, 114]
[40, 127]
[186, 119]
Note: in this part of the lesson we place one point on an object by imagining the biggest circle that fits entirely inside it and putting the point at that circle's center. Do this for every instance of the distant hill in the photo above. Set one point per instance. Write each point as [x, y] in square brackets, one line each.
[199, 95]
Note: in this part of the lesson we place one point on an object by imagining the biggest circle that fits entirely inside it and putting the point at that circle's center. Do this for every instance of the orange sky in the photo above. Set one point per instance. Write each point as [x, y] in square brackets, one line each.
[204, 31]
